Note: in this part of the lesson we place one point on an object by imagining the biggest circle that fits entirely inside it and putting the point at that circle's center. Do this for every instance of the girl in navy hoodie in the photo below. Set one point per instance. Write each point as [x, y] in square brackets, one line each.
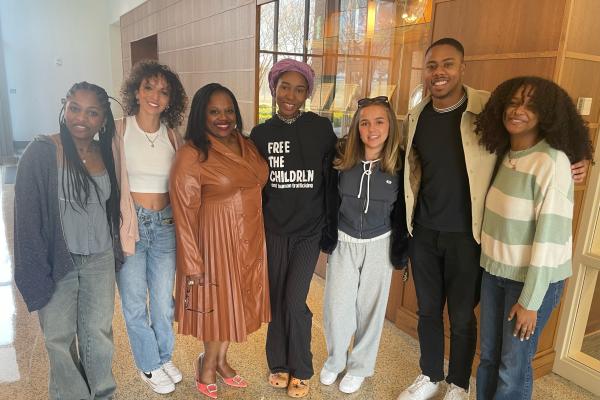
[372, 240]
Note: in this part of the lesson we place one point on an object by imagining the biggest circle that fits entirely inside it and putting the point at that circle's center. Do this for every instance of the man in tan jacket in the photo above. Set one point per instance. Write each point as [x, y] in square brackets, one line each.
[446, 177]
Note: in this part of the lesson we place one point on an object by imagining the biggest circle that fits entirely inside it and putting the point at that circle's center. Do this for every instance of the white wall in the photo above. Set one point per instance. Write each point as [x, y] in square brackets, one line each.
[116, 66]
[116, 8]
[84, 34]
[35, 34]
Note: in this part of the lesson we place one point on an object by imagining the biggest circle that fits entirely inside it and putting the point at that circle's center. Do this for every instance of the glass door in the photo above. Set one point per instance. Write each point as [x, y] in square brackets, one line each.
[578, 348]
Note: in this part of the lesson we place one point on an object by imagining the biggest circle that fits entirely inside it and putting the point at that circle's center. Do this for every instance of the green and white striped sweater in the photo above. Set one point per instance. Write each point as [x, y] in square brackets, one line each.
[527, 223]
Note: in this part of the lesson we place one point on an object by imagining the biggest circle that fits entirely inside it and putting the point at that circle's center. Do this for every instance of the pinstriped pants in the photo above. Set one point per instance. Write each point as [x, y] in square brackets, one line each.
[291, 262]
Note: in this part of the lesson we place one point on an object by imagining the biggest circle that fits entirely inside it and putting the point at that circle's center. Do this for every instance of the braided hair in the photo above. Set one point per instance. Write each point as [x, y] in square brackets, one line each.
[76, 180]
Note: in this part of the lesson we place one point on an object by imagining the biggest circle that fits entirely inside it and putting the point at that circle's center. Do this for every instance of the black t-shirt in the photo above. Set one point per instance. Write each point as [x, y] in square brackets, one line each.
[294, 196]
[444, 202]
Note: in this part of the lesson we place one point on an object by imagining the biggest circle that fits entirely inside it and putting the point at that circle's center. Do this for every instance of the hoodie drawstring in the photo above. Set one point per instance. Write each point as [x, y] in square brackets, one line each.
[367, 170]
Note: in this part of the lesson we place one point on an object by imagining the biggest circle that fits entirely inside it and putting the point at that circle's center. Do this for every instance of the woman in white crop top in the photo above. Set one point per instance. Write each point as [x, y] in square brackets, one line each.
[154, 101]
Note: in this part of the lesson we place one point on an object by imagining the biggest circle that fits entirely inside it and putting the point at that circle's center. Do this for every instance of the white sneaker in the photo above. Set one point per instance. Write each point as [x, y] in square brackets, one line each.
[421, 389]
[327, 377]
[351, 383]
[172, 371]
[158, 381]
[456, 393]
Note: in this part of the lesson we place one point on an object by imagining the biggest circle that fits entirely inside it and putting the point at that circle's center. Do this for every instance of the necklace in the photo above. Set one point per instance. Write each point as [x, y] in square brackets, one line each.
[289, 121]
[148, 134]
[512, 162]
[90, 150]
[453, 107]
[151, 141]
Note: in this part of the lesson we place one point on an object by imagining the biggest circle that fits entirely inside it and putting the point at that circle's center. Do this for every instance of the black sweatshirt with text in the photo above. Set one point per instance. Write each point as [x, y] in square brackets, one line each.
[301, 178]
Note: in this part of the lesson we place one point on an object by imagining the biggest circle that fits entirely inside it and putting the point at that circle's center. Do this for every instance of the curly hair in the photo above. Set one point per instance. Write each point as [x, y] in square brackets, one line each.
[350, 149]
[558, 120]
[172, 116]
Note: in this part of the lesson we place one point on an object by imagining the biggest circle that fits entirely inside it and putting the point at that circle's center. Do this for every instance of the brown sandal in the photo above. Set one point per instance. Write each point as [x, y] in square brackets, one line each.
[298, 387]
[279, 379]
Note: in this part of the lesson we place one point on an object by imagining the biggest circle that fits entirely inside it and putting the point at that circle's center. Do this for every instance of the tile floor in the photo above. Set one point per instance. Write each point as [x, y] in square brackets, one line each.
[24, 365]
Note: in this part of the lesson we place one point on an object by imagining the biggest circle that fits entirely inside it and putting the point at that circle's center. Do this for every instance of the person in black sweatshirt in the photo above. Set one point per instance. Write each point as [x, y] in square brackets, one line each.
[299, 203]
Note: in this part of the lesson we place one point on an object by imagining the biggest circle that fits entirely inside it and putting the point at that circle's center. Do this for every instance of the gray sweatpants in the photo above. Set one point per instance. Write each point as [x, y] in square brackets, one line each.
[356, 292]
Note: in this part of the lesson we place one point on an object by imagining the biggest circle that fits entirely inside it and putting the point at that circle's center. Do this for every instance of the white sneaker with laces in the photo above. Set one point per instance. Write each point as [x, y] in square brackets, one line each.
[158, 381]
[456, 393]
[351, 383]
[421, 389]
[327, 377]
[172, 371]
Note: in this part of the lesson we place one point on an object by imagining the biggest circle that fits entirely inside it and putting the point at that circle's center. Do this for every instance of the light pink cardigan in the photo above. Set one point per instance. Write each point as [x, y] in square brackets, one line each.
[129, 226]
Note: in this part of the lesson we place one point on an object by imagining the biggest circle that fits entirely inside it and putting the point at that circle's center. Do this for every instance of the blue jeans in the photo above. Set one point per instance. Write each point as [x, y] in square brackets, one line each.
[150, 274]
[505, 371]
[77, 327]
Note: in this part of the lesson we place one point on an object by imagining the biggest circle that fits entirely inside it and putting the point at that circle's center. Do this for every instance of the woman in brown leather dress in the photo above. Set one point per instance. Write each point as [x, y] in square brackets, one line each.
[222, 291]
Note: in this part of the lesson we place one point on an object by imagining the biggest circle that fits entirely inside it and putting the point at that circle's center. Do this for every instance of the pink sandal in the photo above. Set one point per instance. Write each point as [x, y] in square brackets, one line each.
[236, 382]
[210, 389]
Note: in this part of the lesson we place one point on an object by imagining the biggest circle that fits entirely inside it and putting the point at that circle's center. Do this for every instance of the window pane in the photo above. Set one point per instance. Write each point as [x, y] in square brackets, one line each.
[385, 15]
[265, 100]
[349, 87]
[380, 79]
[267, 26]
[316, 26]
[291, 26]
[321, 91]
[383, 31]
[280, 57]
[353, 30]
[352, 4]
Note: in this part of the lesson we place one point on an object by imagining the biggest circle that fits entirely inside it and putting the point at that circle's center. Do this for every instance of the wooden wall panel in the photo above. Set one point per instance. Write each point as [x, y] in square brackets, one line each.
[393, 298]
[487, 74]
[408, 63]
[581, 78]
[495, 27]
[203, 41]
[503, 40]
[578, 196]
[585, 29]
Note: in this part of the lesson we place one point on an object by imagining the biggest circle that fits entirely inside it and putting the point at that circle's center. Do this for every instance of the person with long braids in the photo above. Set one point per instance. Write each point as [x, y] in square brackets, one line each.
[154, 101]
[67, 244]
[533, 127]
[300, 206]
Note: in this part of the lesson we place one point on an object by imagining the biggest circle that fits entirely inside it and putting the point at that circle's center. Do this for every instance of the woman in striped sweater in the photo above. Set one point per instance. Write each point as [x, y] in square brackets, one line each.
[526, 242]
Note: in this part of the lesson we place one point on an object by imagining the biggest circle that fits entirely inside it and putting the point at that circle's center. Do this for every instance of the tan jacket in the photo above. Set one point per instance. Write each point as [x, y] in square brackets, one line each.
[129, 226]
[480, 163]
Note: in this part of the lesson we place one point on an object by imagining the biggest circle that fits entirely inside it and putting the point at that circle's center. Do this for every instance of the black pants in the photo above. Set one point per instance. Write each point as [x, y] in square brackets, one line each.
[292, 262]
[446, 269]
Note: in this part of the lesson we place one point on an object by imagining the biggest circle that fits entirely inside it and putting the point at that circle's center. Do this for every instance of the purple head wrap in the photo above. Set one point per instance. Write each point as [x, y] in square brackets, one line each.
[289, 64]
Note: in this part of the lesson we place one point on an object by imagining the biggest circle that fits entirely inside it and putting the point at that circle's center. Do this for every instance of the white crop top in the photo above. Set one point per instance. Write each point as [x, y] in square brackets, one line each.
[148, 158]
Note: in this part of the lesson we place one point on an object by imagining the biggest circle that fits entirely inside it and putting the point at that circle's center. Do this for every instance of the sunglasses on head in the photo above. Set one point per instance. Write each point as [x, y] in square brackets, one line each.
[367, 101]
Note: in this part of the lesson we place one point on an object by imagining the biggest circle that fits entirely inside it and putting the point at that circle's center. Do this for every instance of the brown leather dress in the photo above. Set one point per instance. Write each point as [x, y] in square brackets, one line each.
[217, 206]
